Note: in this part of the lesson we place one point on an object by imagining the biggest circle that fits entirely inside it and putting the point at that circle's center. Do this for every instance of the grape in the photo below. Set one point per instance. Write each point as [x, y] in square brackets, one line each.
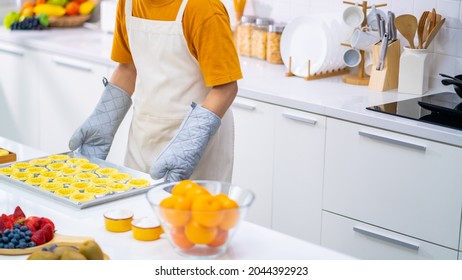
[29, 23]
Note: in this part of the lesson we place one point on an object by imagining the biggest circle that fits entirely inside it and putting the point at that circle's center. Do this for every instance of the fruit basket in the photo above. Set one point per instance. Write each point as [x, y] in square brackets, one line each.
[75, 180]
[69, 21]
[6, 156]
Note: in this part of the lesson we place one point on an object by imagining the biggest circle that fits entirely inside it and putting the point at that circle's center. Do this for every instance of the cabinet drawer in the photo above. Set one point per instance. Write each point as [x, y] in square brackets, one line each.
[401, 183]
[364, 241]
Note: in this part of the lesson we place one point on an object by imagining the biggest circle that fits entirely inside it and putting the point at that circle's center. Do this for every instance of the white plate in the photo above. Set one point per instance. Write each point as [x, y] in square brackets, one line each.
[304, 38]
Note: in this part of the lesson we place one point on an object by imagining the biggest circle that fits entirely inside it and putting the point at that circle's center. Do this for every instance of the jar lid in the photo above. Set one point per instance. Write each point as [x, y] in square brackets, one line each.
[248, 19]
[263, 21]
[276, 27]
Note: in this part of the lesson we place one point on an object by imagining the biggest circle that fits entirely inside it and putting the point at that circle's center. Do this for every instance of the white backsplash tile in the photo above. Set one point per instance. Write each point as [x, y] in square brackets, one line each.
[451, 11]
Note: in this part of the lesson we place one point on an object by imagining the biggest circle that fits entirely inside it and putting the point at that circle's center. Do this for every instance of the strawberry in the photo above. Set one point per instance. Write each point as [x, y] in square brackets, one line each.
[45, 221]
[18, 215]
[33, 223]
[48, 232]
[38, 237]
[5, 222]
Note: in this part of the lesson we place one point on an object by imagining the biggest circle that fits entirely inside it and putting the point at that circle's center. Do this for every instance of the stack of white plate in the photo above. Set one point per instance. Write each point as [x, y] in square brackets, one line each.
[317, 39]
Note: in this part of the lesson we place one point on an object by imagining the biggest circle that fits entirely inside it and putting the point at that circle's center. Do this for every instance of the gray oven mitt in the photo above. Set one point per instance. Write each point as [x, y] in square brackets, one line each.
[94, 137]
[178, 160]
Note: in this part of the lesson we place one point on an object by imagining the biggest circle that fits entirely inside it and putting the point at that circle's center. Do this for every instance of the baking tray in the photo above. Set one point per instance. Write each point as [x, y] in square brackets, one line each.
[98, 200]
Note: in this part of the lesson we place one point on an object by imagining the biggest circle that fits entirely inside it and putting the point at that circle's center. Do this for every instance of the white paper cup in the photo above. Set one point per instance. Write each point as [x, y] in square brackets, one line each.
[353, 16]
[352, 57]
[363, 39]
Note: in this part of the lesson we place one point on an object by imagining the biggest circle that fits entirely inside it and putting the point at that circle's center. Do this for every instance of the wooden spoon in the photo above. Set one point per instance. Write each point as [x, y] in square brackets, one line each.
[407, 26]
[433, 33]
[420, 27]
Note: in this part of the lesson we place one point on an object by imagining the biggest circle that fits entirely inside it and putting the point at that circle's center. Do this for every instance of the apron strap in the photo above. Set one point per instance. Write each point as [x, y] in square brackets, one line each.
[179, 16]
[128, 9]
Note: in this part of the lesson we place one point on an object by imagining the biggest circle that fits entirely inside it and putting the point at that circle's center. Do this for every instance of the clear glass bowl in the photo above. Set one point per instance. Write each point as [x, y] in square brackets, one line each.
[206, 231]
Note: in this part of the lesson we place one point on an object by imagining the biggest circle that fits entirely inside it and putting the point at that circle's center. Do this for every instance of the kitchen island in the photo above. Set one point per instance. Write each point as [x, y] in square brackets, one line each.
[251, 242]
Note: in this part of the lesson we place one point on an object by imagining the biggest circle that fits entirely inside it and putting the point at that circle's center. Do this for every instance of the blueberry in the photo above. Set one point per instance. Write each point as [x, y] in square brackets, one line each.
[16, 225]
[52, 247]
[10, 235]
[14, 241]
[45, 249]
[1, 245]
[10, 245]
[5, 239]
[28, 233]
[6, 232]
[24, 228]
[22, 234]
[16, 236]
[32, 244]
[27, 238]
[21, 246]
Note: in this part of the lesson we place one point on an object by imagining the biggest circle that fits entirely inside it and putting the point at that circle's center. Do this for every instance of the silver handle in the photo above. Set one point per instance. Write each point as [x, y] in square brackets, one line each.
[383, 237]
[393, 141]
[18, 53]
[244, 106]
[299, 118]
[71, 64]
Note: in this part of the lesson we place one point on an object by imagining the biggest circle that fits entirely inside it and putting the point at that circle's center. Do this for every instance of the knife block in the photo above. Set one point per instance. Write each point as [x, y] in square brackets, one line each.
[387, 78]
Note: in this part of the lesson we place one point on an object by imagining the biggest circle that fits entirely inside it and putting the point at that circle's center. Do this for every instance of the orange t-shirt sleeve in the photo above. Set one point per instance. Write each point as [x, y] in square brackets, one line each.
[207, 32]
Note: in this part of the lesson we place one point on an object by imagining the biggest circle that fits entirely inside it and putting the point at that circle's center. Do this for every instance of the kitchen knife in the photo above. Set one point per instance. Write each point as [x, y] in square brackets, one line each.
[383, 51]
[392, 28]
[382, 29]
[379, 19]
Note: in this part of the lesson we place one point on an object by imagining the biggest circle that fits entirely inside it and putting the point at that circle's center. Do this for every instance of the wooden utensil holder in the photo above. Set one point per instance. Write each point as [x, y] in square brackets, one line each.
[387, 78]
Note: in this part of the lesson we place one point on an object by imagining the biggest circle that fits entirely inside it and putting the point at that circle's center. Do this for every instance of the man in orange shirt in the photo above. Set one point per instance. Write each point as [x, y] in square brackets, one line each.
[177, 58]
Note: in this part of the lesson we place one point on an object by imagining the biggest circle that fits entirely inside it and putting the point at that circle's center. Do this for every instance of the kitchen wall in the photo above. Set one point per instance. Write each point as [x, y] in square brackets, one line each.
[447, 46]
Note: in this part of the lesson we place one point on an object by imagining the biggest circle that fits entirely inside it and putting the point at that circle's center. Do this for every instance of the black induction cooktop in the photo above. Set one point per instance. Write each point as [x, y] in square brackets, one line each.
[444, 109]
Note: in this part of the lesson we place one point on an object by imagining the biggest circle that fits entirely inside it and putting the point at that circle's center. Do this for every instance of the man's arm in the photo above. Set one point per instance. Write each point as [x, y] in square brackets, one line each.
[220, 98]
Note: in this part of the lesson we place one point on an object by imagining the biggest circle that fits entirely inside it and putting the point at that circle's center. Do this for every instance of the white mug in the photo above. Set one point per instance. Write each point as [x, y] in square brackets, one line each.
[372, 21]
[353, 16]
[352, 57]
[363, 39]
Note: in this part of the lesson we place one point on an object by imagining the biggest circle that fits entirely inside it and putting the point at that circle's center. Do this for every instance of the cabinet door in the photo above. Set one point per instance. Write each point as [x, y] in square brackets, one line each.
[298, 173]
[253, 150]
[70, 90]
[19, 96]
[401, 183]
[364, 241]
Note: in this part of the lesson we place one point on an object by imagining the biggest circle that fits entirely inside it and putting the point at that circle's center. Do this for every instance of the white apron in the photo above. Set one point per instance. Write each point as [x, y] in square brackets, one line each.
[168, 81]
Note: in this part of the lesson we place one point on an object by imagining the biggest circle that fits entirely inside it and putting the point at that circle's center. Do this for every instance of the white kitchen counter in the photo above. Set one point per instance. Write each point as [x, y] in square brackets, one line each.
[251, 242]
[262, 81]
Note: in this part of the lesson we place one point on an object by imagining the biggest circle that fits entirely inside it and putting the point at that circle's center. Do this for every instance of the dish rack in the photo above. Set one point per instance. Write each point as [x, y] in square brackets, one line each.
[323, 74]
[361, 78]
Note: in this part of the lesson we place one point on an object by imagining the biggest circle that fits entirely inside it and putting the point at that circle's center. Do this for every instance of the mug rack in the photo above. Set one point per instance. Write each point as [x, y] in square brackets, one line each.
[323, 74]
[361, 78]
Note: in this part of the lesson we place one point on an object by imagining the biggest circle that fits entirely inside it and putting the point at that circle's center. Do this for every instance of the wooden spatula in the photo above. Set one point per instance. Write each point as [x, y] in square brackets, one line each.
[433, 33]
[407, 26]
[420, 28]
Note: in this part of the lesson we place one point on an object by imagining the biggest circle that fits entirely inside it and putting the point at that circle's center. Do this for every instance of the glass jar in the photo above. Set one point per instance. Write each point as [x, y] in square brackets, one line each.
[244, 34]
[259, 38]
[273, 53]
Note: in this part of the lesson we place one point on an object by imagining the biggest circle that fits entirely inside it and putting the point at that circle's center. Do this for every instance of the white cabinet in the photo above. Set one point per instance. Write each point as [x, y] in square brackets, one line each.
[70, 90]
[365, 241]
[19, 95]
[279, 154]
[298, 173]
[253, 149]
[397, 182]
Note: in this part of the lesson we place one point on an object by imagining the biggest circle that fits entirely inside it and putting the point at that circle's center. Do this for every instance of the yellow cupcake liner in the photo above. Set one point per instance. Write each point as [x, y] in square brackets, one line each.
[36, 181]
[40, 161]
[81, 197]
[8, 170]
[118, 187]
[59, 157]
[35, 170]
[120, 177]
[21, 165]
[88, 167]
[50, 186]
[65, 192]
[65, 180]
[139, 183]
[106, 171]
[85, 176]
[21, 176]
[75, 162]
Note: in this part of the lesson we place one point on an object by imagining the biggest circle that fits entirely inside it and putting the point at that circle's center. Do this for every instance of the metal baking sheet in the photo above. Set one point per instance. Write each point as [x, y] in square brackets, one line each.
[98, 200]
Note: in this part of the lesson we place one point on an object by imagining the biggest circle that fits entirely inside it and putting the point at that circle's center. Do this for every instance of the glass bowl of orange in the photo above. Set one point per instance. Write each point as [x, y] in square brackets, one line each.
[199, 218]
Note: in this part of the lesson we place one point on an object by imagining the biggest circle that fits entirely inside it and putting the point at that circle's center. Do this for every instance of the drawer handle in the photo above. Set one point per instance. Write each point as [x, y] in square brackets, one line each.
[244, 106]
[298, 118]
[78, 66]
[393, 141]
[18, 53]
[386, 238]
